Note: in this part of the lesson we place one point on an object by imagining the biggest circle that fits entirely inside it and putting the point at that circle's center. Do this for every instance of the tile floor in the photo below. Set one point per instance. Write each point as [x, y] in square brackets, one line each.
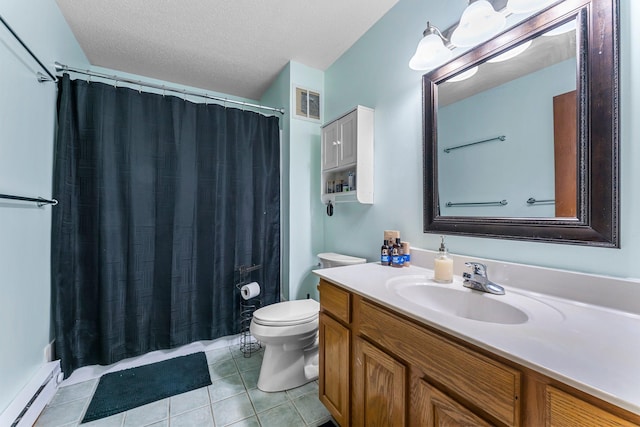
[233, 399]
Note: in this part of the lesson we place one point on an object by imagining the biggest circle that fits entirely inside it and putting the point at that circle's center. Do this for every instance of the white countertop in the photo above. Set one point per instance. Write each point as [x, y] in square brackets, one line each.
[590, 347]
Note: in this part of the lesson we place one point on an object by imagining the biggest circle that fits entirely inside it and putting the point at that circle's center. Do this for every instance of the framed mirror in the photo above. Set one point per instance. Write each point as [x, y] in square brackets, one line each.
[521, 132]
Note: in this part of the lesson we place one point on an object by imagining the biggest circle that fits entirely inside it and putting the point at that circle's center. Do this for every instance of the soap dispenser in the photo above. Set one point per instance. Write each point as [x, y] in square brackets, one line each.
[443, 265]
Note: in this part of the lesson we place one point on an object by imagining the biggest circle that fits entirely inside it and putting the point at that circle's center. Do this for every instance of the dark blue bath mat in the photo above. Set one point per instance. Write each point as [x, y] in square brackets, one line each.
[123, 390]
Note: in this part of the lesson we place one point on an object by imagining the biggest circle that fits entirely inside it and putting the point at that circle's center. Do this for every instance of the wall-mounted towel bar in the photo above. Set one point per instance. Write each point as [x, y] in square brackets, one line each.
[38, 200]
[49, 77]
[532, 201]
[498, 203]
[500, 138]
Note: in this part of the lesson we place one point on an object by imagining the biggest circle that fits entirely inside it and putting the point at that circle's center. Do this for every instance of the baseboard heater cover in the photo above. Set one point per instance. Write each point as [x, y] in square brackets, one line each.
[24, 410]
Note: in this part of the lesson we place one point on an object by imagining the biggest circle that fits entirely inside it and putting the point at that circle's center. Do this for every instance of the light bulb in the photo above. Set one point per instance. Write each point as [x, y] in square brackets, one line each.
[564, 28]
[430, 53]
[479, 22]
[463, 76]
[511, 53]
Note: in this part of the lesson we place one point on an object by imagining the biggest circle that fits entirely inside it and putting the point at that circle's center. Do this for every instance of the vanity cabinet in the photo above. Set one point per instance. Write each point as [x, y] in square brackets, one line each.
[334, 382]
[436, 409]
[381, 368]
[379, 387]
[563, 409]
[347, 147]
[486, 389]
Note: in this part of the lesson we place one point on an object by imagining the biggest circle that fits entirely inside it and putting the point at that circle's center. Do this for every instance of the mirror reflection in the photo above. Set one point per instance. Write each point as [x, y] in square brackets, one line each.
[506, 132]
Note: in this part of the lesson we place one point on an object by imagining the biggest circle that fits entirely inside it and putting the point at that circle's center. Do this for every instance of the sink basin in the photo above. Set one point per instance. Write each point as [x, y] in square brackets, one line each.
[456, 300]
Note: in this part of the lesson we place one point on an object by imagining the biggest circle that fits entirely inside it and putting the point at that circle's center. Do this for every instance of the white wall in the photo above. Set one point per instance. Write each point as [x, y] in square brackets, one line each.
[375, 73]
[27, 117]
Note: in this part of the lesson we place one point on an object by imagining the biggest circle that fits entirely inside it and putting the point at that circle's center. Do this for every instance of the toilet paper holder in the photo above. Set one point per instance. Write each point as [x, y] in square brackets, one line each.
[248, 344]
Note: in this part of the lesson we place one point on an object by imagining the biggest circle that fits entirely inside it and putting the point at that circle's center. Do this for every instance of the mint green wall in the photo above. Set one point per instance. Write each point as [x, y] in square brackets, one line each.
[27, 117]
[374, 72]
[304, 176]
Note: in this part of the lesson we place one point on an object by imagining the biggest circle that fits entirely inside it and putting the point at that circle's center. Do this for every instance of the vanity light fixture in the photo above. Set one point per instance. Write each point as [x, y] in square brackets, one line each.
[527, 6]
[511, 53]
[431, 51]
[463, 76]
[479, 22]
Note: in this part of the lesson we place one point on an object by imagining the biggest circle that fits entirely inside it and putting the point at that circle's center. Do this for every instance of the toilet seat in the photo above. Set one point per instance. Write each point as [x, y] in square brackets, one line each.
[287, 313]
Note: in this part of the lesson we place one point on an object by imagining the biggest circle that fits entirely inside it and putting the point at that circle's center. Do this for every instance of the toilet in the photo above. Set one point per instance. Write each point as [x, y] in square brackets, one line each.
[289, 332]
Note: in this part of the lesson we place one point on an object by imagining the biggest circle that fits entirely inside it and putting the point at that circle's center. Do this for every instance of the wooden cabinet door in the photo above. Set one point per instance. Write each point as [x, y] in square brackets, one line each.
[348, 139]
[330, 146]
[565, 410]
[432, 408]
[379, 387]
[565, 136]
[334, 368]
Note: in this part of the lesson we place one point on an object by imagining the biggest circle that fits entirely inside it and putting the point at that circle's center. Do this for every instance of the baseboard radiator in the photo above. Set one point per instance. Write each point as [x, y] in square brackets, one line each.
[27, 406]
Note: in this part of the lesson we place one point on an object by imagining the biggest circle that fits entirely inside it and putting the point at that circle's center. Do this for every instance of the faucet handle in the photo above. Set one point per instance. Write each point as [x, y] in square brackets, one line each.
[478, 268]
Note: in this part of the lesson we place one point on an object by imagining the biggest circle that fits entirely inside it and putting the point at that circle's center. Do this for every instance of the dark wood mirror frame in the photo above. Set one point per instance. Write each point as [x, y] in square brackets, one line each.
[597, 222]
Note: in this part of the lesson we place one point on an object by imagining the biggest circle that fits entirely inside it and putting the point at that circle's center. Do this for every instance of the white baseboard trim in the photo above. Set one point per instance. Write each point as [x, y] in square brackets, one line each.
[29, 403]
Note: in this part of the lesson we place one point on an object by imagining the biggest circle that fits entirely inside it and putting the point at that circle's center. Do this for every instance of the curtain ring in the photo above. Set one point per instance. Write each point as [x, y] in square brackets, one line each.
[184, 95]
[163, 91]
[140, 88]
[115, 85]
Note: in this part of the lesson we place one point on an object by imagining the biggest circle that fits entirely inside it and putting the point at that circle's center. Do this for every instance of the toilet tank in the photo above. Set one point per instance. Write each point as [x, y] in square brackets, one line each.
[331, 259]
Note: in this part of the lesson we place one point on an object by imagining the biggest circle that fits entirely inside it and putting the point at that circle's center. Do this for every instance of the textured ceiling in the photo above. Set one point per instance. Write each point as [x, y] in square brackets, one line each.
[236, 47]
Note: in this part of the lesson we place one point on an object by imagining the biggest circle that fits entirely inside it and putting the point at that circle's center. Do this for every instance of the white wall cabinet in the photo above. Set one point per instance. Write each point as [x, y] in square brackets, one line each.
[347, 147]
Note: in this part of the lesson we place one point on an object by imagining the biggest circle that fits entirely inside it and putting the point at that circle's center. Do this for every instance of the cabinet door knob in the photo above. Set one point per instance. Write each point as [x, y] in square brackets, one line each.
[338, 142]
[335, 142]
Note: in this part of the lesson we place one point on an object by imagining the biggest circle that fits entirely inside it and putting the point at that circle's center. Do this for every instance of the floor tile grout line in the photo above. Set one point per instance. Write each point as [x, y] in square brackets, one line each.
[85, 407]
[213, 420]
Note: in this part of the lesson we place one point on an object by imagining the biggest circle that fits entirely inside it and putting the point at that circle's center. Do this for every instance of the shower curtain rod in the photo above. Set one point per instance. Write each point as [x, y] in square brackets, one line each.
[41, 77]
[60, 68]
[38, 200]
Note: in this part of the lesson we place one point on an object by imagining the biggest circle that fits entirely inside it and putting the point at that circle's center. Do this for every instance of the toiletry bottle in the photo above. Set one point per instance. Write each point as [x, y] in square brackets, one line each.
[406, 250]
[397, 256]
[393, 252]
[352, 181]
[443, 265]
[384, 253]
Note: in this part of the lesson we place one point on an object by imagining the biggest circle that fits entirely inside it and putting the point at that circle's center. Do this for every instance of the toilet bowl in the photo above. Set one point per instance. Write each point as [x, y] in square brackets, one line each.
[289, 332]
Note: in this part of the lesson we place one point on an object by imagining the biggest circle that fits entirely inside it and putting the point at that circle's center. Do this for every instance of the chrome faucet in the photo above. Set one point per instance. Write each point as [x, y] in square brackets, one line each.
[479, 281]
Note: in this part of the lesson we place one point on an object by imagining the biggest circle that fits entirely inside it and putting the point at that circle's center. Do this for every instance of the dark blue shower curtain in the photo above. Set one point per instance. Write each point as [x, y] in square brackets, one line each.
[159, 201]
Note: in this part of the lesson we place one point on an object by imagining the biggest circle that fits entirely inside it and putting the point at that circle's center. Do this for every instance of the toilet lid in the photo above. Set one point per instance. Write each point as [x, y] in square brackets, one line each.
[340, 259]
[287, 313]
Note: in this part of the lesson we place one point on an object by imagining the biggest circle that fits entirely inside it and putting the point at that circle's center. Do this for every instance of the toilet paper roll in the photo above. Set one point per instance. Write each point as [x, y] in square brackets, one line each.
[250, 290]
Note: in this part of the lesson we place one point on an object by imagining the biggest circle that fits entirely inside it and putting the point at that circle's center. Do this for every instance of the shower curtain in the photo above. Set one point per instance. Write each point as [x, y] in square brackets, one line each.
[160, 200]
